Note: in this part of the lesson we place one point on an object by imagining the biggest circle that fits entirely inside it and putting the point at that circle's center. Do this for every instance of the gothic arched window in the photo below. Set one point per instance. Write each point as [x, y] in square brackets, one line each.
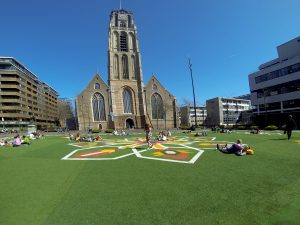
[131, 42]
[115, 41]
[157, 106]
[127, 101]
[125, 67]
[98, 107]
[116, 66]
[123, 42]
[97, 86]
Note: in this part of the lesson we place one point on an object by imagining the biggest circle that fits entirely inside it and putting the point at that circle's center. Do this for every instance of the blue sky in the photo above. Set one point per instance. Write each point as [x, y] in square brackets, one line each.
[65, 42]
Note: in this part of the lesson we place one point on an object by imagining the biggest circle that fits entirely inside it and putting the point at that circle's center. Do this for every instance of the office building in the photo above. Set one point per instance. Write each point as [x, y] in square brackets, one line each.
[225, 111]
[275, 87]
[187, 115]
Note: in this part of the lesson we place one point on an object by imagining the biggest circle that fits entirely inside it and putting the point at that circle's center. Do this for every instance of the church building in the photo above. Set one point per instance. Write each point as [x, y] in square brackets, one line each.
[125, 102]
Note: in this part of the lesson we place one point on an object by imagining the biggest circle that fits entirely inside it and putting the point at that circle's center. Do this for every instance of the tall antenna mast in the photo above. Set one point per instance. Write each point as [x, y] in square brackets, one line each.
[120, 4]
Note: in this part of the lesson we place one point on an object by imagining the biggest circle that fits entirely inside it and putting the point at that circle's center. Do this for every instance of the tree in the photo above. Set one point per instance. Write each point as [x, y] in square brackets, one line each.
[65, 113]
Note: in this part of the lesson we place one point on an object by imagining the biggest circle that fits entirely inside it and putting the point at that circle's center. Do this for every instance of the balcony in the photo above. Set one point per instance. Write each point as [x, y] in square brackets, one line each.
[10, 79]
[12, 86]
[14, 115]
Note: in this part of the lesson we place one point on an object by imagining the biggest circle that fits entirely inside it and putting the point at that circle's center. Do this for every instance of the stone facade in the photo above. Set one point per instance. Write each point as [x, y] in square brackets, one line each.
[84, 105]
[128, 103]
[169, 106]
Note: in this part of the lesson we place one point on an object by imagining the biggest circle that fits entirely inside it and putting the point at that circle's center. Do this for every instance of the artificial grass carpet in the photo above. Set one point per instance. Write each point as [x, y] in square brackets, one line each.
[37, 187]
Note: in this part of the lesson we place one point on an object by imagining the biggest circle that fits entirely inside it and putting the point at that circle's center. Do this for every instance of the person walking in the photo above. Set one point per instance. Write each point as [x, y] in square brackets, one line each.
[148, 134]
[290, 126]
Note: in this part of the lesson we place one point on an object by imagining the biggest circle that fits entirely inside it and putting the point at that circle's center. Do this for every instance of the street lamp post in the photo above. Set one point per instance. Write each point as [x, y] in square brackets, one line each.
[191, 71]
[227, 112]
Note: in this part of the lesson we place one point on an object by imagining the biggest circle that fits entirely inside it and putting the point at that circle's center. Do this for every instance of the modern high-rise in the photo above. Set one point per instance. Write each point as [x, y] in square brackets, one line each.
[24, 99]
[125, 102]
[225, 111]
[275, 88]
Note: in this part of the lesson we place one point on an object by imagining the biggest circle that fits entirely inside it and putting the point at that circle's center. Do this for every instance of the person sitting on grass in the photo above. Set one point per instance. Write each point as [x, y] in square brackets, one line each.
[17, 141]
[162, 136]
[169, 134]
[71, 137]
[78, 139]
[3, 142]
[25, 140]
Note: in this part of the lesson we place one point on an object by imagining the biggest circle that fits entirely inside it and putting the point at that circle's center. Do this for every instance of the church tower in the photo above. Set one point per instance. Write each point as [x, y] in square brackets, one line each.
[125, 79]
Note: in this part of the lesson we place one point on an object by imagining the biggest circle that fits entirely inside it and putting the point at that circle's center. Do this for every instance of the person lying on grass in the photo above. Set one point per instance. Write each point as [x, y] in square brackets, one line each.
[236, 148]
[97, 138]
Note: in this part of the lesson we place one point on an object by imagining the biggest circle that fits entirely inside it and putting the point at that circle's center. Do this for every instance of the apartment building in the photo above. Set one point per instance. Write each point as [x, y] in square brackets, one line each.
[275, 88]
[225, 111]
[24, 99]
[187, 115]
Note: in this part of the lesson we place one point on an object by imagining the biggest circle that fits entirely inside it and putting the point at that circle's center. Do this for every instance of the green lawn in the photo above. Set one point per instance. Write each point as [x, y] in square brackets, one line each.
[38, 188]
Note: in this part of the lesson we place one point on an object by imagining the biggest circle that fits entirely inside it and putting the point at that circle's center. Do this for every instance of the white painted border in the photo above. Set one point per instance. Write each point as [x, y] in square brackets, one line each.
[108, 146]
[192, 161]
[138, 153]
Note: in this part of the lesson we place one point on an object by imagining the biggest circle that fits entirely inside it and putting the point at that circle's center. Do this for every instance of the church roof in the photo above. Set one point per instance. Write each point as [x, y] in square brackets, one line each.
[153, 77]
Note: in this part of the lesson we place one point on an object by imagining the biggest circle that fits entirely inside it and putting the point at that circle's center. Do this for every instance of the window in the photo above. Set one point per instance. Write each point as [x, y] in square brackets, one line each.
[123, 42]
[278, 73]
[157, 106]
[125, 67]
[115, 41]
[98, 107]
[122, 24]
[127, 101]
[116, 66]
[133, 67]
[131, 42]
[154, 87]
[97, 86]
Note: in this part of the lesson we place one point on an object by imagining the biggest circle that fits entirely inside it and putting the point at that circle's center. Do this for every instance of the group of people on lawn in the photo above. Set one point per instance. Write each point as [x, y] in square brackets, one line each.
[162, 135]
[237, 148]
[88, 138]
[19, 140]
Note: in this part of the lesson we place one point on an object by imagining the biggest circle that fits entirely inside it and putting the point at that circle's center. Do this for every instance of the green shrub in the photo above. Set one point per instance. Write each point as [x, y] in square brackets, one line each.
[271, 127]
[109, 130]
[95, 131]
[182, 127]
[253, 127]
[241, 127]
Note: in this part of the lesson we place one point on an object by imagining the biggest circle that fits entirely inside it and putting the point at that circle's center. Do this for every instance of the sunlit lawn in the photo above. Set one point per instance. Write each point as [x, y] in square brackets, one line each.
[37, 187]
